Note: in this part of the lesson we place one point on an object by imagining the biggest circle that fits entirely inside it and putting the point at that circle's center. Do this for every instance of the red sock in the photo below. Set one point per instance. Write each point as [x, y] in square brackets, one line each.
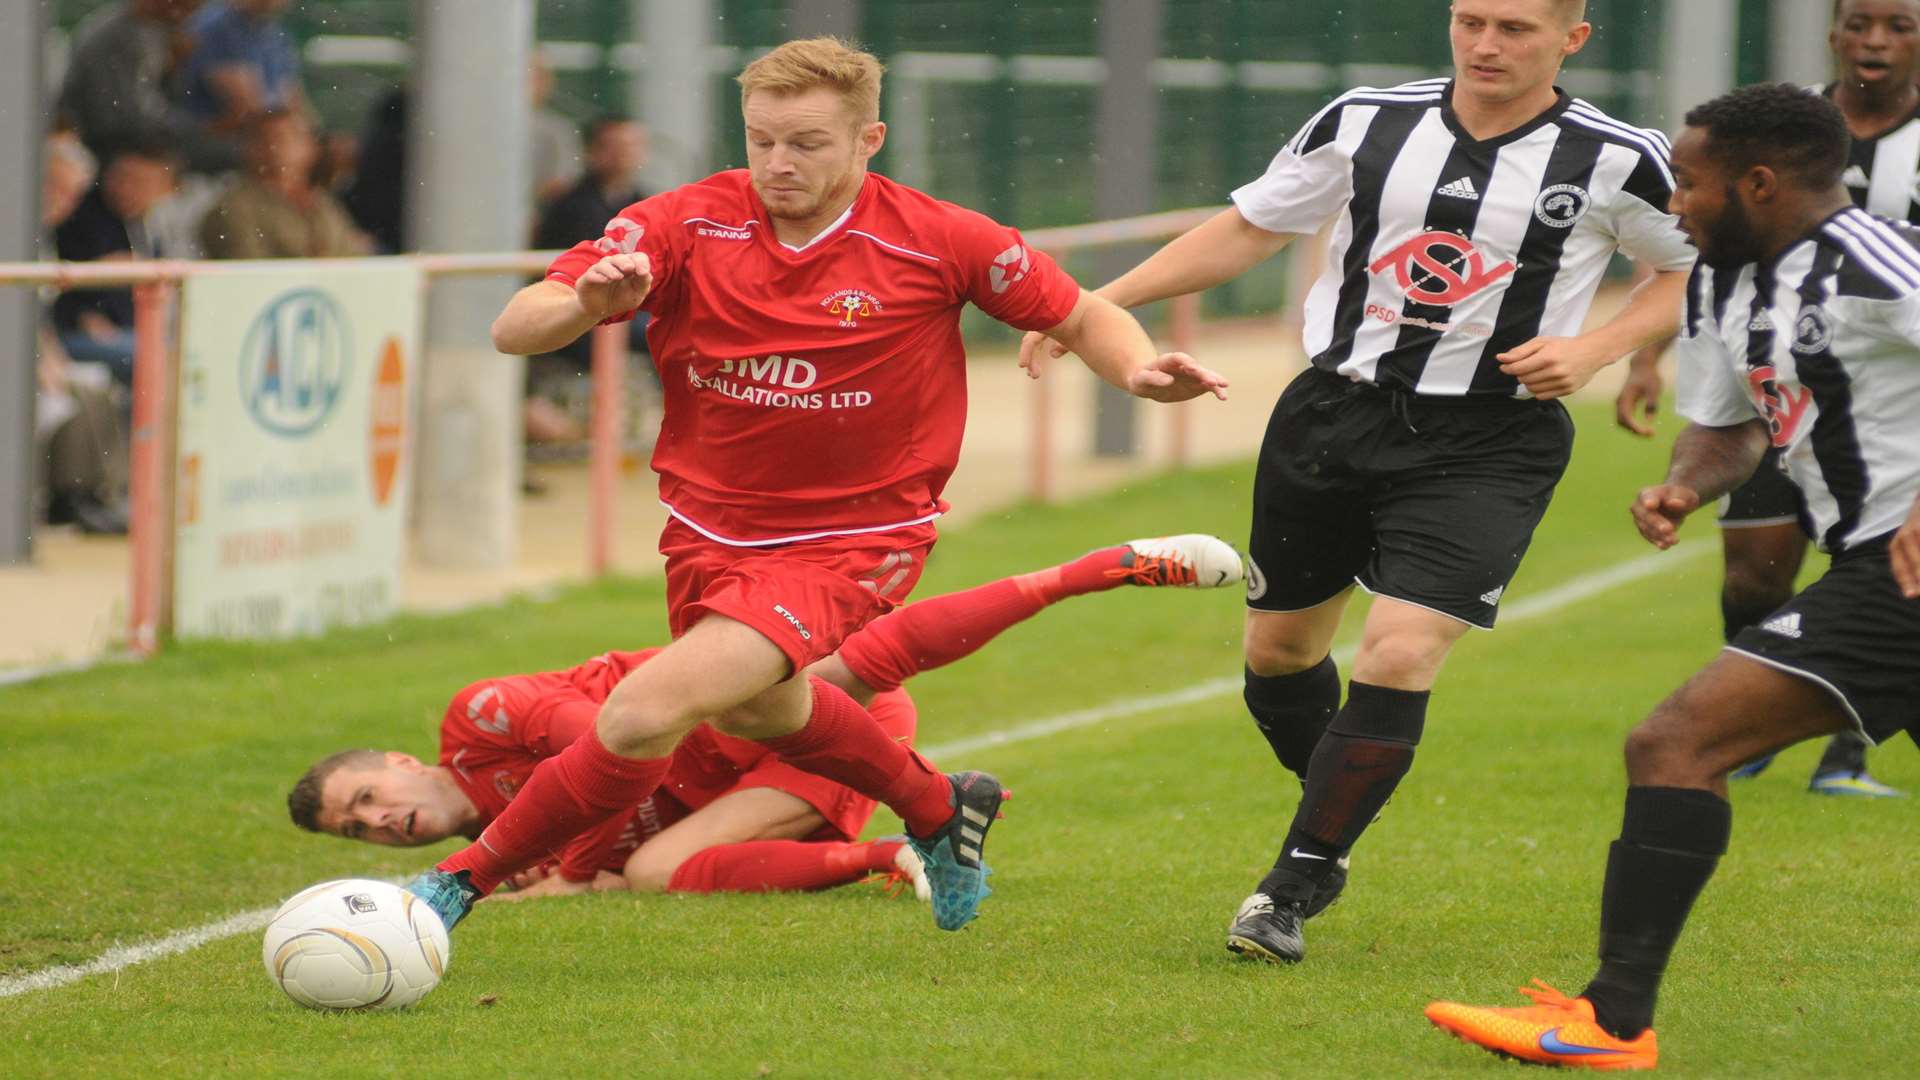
[937, 631]
[844, 743]
[582, 786]
[780, 866]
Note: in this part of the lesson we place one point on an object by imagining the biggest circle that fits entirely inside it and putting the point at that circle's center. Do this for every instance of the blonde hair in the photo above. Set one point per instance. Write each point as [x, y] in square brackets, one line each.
[799, 66]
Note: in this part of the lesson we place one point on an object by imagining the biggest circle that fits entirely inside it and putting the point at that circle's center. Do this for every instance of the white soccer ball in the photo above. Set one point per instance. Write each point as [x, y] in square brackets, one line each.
[356, 944]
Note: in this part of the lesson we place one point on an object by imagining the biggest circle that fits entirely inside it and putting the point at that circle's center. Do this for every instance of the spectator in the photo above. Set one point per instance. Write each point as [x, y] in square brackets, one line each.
[82, 440]
[115, 92]
[616, 151]
[81, 437]
[70, 169]
[242, 63]
[111, 222]
[378, 197]
[276, 212]
[554, 140]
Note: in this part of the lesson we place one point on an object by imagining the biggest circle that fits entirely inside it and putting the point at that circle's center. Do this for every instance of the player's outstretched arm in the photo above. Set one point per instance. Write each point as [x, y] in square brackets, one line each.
[1217, 250]
[1906, 555]
[1551, 367]
[1707, 463]
[1116, 347]
[549, 315]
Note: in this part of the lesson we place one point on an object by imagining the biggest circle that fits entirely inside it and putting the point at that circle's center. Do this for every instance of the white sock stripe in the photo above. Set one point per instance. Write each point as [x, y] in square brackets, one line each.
[975, 816]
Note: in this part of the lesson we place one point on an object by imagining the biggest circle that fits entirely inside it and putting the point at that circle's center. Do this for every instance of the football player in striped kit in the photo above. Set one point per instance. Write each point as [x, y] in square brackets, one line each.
[1876, 49]
[1473, 220]
[1803, 333]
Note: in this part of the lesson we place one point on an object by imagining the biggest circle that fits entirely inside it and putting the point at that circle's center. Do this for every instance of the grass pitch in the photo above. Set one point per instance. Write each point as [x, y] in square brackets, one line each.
[139, 801]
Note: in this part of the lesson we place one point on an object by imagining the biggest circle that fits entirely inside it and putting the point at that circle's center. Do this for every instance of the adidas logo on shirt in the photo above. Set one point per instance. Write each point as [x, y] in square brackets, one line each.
[1855, 177]
[1492, 596]
[1461, 189]
[1787, 625]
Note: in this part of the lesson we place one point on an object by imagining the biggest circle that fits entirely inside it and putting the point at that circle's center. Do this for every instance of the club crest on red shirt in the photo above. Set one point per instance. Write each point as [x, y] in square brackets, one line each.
[507, 784]
[852, 305]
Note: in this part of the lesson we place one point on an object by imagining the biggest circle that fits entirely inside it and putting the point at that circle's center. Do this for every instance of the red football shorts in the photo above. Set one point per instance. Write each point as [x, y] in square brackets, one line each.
[707, 765]
[805, 597]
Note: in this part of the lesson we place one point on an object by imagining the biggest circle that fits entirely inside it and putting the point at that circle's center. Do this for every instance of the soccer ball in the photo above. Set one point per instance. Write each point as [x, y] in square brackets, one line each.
[355, 944]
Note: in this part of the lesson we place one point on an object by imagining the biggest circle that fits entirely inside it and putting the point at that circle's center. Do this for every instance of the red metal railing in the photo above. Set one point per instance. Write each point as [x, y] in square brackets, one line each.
[156, 284]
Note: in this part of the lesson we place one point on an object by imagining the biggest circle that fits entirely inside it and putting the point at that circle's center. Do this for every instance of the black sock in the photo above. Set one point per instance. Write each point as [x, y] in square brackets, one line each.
[1670, 841]
[1293, 711]
[1846, 752]
[1360, 760]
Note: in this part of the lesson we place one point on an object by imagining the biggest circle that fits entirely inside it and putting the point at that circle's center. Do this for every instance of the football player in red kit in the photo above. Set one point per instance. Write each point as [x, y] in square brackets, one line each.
[805, 324]
[730, 816]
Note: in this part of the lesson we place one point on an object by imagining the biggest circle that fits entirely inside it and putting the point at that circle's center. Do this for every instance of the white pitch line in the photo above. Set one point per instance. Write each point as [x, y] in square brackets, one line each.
[125, 956]
[1533, 607]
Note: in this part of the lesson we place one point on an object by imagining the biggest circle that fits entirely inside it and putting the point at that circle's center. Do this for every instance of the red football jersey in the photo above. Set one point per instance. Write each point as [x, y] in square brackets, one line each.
[820, 391]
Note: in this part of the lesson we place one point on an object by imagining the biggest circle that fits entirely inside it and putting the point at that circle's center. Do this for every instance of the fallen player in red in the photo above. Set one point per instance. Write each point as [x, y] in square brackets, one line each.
[731, 815]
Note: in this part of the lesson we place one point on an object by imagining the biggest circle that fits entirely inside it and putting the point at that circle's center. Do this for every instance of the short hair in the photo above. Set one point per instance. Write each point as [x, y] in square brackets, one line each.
[802, 65]
[1841, 5]
[602, 122]
[1787, 127]
[148, 146]
[303, 802]
[1571, 12]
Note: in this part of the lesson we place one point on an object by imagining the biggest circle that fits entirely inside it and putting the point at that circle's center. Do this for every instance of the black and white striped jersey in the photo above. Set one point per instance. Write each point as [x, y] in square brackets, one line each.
[1883, 172]
[1446, 250]
[1823, 343]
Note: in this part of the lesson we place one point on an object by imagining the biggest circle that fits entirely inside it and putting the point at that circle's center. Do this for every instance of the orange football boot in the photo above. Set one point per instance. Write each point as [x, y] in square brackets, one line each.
[1554, 1030]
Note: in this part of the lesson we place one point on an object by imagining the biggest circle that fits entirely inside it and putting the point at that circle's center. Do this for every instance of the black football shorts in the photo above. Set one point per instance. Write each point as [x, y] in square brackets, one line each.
[1769, 497]
[1427, 500]
[1854, 634]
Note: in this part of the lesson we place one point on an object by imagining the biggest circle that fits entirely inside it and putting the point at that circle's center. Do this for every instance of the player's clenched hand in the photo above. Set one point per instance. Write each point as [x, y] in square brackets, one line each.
[1640, 394]
[1036, 345]
[1175, 377]
[1659, 510]
[615, 285]
[1905, 552]
[1551, 367]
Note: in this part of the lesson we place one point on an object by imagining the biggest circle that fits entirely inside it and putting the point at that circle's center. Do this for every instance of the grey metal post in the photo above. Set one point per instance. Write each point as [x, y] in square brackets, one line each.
[22, 125]
[807, 18]
[469, 191]
[675, 90]
[1799, 51]
[1697, 61]
[1125, 136]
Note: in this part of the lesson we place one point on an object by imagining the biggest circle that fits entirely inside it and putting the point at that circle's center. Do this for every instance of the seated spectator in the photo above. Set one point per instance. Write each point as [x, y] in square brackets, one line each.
[116, 88]
[616, 151]
[81, 438]
[79, 435]
[111, 223]
[276, 212]
[70, 169]
[377, 198]
[241, 63]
